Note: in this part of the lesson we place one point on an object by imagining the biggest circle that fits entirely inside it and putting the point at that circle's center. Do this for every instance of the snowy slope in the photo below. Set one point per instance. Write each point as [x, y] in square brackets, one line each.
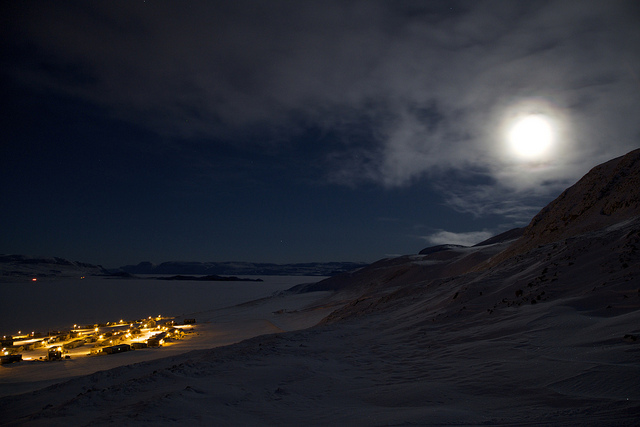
[463, 350]
[608, 194]
[547, 335]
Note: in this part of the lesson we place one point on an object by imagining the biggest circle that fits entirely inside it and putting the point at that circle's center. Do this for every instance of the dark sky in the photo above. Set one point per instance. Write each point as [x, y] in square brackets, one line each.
[292, 131]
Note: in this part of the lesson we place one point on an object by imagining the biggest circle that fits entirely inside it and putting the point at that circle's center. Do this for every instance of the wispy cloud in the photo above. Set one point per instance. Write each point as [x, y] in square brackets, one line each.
[496, 200]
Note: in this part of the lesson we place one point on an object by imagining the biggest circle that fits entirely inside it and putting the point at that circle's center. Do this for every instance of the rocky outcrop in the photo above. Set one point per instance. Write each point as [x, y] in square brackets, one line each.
[606, 195]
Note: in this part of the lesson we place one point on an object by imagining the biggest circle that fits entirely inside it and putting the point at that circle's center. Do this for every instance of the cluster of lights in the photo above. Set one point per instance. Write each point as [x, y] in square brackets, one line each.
[93, 333]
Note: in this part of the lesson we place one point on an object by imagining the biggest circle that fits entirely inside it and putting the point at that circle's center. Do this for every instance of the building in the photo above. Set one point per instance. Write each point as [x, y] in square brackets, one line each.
[120, 348]
[157, 340]
[55, 353]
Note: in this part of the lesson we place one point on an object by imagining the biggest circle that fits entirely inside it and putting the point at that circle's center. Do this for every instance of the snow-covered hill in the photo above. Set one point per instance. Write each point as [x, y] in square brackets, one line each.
[607, 195]
[543, 330]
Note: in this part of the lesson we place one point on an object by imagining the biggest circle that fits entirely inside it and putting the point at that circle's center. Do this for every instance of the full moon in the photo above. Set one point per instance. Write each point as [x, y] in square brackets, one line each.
[531, 136]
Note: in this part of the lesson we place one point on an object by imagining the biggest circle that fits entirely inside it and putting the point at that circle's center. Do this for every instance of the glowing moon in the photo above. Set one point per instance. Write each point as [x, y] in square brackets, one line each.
[531, 136]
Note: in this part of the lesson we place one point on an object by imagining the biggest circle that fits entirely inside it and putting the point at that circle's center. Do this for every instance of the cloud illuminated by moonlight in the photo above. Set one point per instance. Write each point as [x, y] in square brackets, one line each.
[532, 131]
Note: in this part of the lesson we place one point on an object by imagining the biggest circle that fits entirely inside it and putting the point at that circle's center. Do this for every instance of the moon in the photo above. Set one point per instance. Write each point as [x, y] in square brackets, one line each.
[530, 137]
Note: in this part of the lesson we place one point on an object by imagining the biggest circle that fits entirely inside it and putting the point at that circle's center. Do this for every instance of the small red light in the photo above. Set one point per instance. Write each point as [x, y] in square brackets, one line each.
[34, 279]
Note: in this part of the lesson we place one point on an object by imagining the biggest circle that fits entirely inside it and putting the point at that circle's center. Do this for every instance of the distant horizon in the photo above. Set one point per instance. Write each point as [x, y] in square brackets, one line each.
[234, 260]
[41, 256]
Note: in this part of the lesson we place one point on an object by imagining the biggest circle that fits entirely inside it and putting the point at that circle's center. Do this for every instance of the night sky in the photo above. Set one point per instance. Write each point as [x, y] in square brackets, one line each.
[295, 131]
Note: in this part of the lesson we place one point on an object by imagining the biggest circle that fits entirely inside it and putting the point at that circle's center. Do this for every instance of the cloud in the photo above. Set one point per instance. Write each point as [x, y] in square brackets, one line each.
[466, 239]
[482, 201]
[413, 91]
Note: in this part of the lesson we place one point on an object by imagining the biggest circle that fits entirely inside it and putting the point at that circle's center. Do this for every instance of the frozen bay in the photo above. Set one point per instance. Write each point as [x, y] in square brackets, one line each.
[59, 303]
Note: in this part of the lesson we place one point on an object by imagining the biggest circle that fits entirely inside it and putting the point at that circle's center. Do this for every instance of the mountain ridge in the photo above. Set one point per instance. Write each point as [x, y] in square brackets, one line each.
[243, 268]
[608, 194]
[14, 266]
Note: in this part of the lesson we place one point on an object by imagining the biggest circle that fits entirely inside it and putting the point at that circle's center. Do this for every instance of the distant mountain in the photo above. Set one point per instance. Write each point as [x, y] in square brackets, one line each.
[509, 235]
[27, 267]
[243, 268]
[211, 278]
[605, 201]
[14, 267]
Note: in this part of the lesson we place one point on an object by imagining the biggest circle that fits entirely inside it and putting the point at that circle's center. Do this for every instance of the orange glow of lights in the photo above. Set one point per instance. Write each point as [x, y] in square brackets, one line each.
[34, 279]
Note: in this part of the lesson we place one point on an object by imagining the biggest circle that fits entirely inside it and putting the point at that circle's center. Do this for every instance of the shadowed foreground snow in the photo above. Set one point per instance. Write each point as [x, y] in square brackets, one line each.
[558, 367]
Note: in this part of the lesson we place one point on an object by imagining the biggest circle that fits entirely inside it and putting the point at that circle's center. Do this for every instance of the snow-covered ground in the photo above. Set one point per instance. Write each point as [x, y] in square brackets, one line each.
[520, 366]
[217, 327]
[226, 312]
[549, 337]
[541, 331]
